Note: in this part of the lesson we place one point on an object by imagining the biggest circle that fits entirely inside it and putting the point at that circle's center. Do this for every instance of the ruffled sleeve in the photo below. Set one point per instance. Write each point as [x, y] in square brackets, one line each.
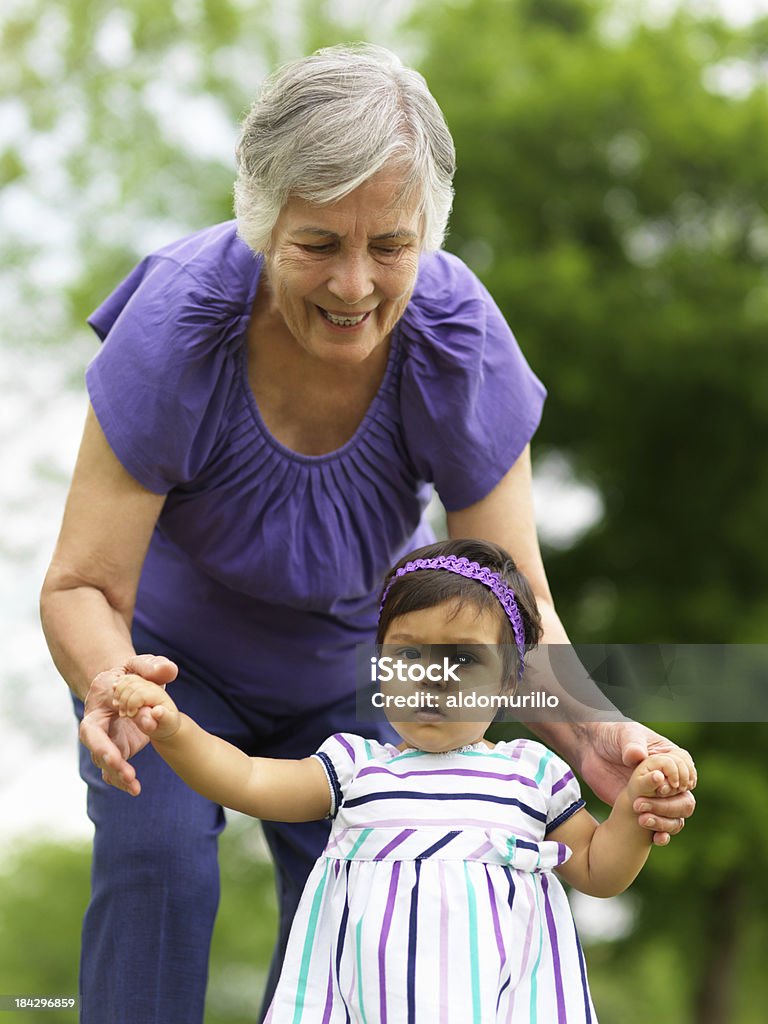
[341, 756]
[561, 790]
[469, 401]
[161, 380]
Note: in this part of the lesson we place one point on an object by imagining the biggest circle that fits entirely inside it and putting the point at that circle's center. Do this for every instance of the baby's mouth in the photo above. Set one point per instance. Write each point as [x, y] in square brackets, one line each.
[431, 712]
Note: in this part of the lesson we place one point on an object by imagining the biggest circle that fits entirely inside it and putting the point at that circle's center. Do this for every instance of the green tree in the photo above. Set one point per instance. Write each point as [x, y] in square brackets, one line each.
[612, 193]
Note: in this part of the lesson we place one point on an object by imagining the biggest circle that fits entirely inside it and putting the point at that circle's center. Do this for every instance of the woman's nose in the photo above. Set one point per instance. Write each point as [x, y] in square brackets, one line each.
[351, 280]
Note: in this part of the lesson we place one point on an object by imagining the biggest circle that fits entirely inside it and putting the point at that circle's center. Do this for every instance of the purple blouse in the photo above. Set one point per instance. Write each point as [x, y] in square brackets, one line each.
[265, 564]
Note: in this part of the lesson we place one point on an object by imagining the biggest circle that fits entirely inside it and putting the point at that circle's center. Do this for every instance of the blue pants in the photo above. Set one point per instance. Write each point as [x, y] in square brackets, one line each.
[155, 877]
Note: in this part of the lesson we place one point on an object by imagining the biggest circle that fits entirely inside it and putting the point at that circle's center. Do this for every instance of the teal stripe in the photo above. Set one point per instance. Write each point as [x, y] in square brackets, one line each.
[358, 843]
[474, 960]
[411, 753]
[368, 751]
[543, 765]
[534, 987]
[360, 971]
[308, 944]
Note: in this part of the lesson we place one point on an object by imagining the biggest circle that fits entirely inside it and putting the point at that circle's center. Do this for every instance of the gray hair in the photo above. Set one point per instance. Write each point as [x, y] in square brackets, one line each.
[322, 125]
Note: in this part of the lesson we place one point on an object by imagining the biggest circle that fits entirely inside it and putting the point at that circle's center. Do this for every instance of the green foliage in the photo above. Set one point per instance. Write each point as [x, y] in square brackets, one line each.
[43, 894]
[613, 199]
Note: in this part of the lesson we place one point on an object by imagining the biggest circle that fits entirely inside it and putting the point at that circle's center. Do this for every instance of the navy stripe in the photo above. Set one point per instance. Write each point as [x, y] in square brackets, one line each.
[510, 879]
[342, 933]
[526, 845]
[411, 975]
[564, 816]
[501, 992]
[333, 779]
[437, 846]
[403, 795]
[585, 986]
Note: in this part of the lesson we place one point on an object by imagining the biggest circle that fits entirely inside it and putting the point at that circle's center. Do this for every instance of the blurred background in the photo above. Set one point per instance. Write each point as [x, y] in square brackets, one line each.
[612, 193]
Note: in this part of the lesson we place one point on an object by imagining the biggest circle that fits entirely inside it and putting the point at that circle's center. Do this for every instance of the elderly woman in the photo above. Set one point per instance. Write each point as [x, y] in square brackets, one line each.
[273, 400]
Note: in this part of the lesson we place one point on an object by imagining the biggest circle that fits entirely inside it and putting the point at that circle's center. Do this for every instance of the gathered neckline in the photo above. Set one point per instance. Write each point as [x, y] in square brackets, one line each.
[480, 745]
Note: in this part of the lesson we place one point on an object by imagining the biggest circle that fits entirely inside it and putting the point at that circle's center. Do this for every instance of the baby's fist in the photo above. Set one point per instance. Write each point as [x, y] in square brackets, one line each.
[660, 775]
[148, 704]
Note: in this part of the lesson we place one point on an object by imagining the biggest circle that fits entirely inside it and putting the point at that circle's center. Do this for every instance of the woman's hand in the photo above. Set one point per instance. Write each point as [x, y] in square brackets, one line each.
[613, 751]
[113, 740]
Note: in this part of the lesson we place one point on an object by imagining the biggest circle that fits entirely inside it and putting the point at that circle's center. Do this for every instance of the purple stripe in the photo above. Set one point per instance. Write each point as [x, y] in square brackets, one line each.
[328, 996]
[393, 843]
[495, 915]
[552, 929]
[340, 739]
[528, 941]
[476, 854]
[379, 769]
[562, 782]
[383, 940]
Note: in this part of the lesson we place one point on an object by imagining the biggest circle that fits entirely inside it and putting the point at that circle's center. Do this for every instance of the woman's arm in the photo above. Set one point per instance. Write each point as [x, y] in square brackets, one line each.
[88, 596]
[264, 787]
[604, 753]
[606, 858]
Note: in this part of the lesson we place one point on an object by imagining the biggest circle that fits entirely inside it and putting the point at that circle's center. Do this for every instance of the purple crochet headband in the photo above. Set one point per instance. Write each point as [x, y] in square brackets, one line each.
[471, 571]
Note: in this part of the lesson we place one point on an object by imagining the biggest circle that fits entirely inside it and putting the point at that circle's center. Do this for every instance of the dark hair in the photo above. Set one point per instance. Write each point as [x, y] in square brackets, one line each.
[424, 589]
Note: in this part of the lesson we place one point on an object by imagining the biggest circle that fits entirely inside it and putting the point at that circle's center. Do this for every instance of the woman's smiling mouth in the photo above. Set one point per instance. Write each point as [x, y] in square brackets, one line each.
[344, 320]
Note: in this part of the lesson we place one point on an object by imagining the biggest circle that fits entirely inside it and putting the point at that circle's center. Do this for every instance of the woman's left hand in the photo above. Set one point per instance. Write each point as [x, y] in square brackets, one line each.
[614, 750]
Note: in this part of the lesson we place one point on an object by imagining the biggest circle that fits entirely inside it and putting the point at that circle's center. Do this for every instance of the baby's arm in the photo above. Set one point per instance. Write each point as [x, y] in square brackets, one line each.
[264, 787]
[607, 857]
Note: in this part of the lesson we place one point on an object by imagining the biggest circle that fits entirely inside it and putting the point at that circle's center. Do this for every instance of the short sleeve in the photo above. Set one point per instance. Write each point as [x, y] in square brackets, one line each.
[341, 756]
[470, 403]
[161, 380]
[561, 791]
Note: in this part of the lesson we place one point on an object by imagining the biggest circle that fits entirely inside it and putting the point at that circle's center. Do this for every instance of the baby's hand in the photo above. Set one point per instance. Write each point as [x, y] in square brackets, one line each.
[148, 705]
[660, 775]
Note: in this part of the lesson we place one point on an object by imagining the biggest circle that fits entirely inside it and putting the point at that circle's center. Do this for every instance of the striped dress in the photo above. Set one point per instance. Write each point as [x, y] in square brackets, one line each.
[434, 901]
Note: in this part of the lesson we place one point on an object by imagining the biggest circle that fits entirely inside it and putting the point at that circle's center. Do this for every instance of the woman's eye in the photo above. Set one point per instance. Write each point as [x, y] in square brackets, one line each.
[387, 251]
[318, 248]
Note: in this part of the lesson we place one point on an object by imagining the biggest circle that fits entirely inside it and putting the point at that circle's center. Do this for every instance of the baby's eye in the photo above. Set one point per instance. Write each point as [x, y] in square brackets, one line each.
[409, 653]
[465, 658]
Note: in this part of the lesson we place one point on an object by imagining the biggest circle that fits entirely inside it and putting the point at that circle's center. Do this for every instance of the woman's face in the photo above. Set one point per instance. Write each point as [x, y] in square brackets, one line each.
[340, 275]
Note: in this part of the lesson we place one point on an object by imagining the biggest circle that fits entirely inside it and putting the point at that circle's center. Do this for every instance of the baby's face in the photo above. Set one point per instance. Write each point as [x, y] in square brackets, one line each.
[433, 638]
